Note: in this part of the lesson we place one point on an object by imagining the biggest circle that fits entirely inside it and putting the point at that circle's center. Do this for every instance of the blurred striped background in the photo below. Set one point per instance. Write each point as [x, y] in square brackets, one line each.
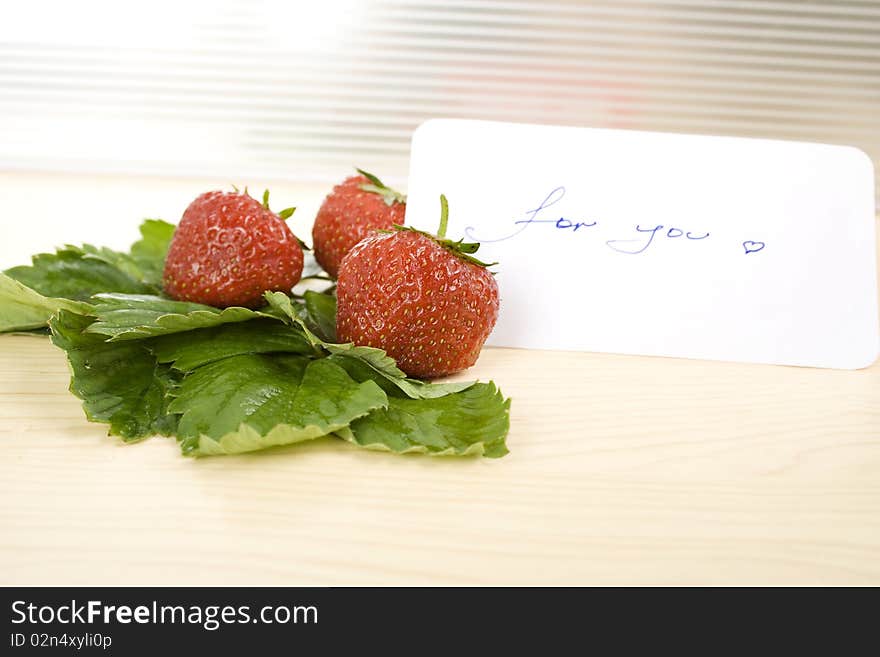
[297, 90]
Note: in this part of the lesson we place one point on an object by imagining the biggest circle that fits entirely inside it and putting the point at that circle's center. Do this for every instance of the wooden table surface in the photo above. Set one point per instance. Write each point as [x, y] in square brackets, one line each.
[623, 469]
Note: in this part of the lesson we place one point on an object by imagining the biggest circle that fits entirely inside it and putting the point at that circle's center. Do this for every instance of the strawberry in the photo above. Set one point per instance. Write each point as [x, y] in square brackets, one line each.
[228, 249]
[424, 299]
[354, 207]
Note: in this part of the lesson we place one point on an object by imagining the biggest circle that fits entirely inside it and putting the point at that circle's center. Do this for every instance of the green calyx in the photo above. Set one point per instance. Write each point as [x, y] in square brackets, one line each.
[459, 248]
[284, 215]
[376, 186]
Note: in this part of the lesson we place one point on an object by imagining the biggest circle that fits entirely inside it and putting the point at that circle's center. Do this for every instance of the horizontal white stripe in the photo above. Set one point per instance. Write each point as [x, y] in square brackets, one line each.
[237, 81]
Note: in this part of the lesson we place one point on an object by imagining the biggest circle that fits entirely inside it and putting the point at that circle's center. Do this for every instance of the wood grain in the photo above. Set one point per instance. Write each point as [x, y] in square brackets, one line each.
[623, 470]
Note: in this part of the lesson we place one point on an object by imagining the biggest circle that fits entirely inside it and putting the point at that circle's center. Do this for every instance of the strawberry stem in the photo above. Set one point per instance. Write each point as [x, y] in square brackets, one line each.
[461, 249]
[444, 216]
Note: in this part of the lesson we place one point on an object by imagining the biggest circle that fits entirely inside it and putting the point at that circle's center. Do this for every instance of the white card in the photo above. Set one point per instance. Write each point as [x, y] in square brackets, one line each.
[661, 244]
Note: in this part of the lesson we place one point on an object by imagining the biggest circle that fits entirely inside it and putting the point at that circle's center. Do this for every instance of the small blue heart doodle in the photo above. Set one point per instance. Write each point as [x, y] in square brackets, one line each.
[752, 247]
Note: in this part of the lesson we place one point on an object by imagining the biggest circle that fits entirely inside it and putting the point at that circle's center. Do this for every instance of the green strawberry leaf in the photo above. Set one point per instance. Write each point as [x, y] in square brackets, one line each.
[40, 332]
[249, 385]
[475, 421]
[362, 363]
[415, 389]
[188, 350]
[123, 262]
[149, 252]
[23, 309]
[293, 313]
[376, 359]
[367, 363]
[120, 383]
[321, 314]
[137, 316]
[78, 273]
[251, 402]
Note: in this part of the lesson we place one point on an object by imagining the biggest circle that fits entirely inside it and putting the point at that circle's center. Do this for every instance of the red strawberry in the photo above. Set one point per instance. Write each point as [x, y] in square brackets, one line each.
[421, 298]
[354, 207]
[228, 249]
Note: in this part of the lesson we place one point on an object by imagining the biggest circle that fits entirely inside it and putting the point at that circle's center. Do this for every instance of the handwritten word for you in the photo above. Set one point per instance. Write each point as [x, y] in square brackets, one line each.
[632, 245]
